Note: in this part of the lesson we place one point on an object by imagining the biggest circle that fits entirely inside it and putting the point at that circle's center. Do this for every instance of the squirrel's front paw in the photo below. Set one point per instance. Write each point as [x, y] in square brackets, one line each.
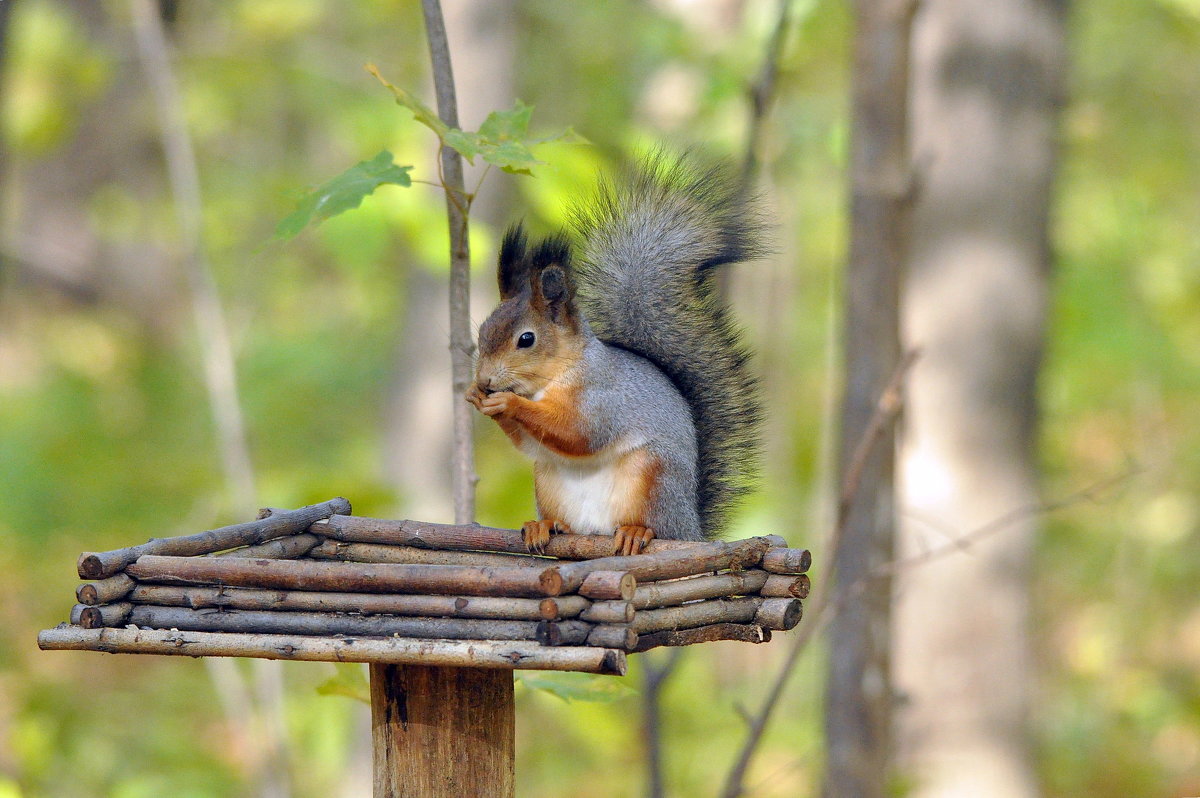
[630, 539]
[475, 395]
[498, 404]
[537, 533]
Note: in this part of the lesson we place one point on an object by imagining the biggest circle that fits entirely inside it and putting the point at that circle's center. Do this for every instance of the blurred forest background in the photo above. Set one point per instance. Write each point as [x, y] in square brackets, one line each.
[339, 341]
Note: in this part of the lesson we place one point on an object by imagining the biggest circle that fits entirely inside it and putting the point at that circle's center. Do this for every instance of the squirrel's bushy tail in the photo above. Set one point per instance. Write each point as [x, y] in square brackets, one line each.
[651, 245]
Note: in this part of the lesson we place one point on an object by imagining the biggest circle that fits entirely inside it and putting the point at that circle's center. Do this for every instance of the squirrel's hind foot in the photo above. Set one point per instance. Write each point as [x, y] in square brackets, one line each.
[630, 539]
[537, 533]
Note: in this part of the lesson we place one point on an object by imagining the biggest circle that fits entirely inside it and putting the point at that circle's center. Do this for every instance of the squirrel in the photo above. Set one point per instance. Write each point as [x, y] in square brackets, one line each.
[619, 372]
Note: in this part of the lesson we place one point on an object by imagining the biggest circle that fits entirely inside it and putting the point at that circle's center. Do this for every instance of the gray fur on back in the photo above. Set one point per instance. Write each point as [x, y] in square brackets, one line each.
[633, 404]
[650, 247]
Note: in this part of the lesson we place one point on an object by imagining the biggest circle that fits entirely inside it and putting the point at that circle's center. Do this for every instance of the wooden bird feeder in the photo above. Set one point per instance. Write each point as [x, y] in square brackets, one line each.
[319, 584]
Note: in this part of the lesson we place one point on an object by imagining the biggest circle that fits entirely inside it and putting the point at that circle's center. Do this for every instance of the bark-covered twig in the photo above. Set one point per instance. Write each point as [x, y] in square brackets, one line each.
[887, 408]
[347, 577]
[473, 537]
[519, 609]
[762, 91]
[779, 585]
[99, 565]
[220, 374]
[286, 548]
[105, 590]
[653, 595]
[746, 633]
[474, 653]
[374, 552]
[700, 613]
[822, 609]
[700, 558]
[328, 623]
[654, 678]
[462, 347]
[786, 561]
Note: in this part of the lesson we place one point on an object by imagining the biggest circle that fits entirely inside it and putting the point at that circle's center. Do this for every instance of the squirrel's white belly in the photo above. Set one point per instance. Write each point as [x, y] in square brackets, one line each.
[585, 497]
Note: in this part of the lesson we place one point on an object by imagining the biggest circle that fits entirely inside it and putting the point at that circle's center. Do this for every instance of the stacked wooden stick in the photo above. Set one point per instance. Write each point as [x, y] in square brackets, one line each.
[320, 584]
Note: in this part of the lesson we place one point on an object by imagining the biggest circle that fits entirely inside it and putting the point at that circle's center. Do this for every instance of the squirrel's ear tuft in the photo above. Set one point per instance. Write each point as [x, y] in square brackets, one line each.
[513, 267]
[551, 280]
[554, 251]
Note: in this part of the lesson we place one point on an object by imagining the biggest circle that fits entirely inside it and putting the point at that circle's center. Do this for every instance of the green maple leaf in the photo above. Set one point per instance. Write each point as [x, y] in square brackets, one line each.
[344, 192]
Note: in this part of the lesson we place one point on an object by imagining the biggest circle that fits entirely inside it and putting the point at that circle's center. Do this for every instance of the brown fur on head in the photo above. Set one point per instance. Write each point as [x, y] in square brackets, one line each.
[535, 333]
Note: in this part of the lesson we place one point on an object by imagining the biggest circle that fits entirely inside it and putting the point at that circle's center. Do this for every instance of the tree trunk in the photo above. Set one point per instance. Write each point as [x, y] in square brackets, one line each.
[858, 690]
[986, 85]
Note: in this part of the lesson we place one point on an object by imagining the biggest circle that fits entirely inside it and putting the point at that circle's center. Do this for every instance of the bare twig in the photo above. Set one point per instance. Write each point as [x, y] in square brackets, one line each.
[654, 677]
[886, 410]
[455, 653]
[220, 374]
[461, 346]
[822, 610]
[963, 543]
[762, 91]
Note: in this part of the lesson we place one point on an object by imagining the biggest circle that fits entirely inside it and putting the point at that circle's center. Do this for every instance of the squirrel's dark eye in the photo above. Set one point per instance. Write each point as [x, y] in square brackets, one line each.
[525, 340]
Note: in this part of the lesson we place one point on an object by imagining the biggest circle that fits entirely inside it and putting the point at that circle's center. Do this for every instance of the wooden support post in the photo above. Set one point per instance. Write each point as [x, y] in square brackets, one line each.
[442, 731]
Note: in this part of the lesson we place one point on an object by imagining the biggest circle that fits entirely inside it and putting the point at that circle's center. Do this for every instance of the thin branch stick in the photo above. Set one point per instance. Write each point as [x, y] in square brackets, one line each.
[473, 537]
[885, 413]
[216, 349]
[329, 624]
[700, 613]
[560, 607]
[474, 654]
[787, 561]
[517, 609]
[608, 585]
[822, 609]
[104, 591]
[964, 542]
[664, 594]
[563, 633]
[746, 633]
[105, 615]
[374, 552]
[462, 347]
[619, 636]
[346, 577]
[780, 586]
[97, 565]
[762, 92]
[608, 612]
[285, 548]
[779, 613]
[654, 678]
[220, 374]
[701, 557]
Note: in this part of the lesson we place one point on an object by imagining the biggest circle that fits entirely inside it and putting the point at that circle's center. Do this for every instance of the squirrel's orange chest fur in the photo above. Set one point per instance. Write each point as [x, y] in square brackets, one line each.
[592, 490]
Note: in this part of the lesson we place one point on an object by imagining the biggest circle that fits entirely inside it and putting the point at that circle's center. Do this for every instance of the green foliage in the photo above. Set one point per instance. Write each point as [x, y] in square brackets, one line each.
[577, 686]
[350, 681]
[502, 140]
[344, 192]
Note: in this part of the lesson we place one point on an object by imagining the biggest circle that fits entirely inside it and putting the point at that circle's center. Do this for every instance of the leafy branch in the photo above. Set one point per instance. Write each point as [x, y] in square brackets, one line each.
[502, 141]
